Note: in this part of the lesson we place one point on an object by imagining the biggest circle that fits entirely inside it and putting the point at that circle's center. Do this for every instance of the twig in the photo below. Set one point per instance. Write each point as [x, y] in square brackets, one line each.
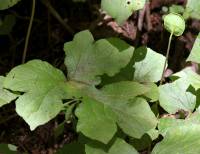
[28, 32]
[57, 16]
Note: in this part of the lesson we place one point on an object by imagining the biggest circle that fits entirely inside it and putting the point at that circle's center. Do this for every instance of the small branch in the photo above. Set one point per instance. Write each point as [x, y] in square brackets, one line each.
[28, 32]
[167, 56]
[57, 16]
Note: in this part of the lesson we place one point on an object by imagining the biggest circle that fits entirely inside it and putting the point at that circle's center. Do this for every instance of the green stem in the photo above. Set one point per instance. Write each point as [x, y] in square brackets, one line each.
[28, 32]
[167, 56]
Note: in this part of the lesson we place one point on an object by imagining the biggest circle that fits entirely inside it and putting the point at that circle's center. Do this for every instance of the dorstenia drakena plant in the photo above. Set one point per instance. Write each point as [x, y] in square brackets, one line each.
[111, 92]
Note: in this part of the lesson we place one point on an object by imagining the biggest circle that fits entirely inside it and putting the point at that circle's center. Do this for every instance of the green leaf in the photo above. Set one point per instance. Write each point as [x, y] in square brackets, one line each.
[180, 140]
[118, 147]
[191, 77]
[120, 10]
[5, 4]
[5, 95]
[96, 120]
[176, 9]
[195, 54]
[193, 9]
[120, 98]
[42, 84]
[153, 93]
[148, 66]
[174, 96]
[132, 120]
[121, 147]
[7, 25]
[168, 123]
[86, 59]
[4, 149]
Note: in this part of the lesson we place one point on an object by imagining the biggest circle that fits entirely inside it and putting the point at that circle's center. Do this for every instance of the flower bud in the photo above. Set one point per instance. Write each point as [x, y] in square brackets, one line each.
[174, 23]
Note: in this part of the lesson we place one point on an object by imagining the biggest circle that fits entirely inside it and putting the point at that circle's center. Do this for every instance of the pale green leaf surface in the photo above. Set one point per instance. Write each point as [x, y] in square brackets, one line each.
[120, 10]
[195, 53]
[86, 59]
[5, 95]
[121, 99]
[174, 96]
[180, 140]
[5, 4]
[189, 76]
[42, 84]
[150, 68]
[95, 120]
[135, 117]
[121, 147]
[153, 93]
[118, 147]
[126, 107]
[193, 8]
[168, 123]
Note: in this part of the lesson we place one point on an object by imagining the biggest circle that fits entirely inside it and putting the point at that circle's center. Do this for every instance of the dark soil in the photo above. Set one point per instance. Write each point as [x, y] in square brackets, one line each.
[46, 43]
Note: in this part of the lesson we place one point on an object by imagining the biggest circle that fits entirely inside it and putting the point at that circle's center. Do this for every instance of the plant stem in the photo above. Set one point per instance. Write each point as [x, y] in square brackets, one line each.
[28, 32]
[167, 56]
[57, 16]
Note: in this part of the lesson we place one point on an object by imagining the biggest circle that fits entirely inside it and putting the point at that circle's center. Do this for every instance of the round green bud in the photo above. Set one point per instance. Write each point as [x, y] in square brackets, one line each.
[174, 23]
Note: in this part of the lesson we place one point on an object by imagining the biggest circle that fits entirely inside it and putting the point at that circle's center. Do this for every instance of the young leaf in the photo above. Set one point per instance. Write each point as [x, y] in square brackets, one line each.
[120, 10]
[118, 147]
[148, 65]
[195, 54]
[181, 139]
[42, 84]
[5, 95]
[95, 120]
[86, 60]
[193, 9]
[174, 23]
[174, 96]
[5, 4]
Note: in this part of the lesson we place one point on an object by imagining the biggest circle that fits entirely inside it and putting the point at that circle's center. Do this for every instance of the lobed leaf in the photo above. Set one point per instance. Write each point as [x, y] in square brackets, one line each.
[42, 84]
[86, 59]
